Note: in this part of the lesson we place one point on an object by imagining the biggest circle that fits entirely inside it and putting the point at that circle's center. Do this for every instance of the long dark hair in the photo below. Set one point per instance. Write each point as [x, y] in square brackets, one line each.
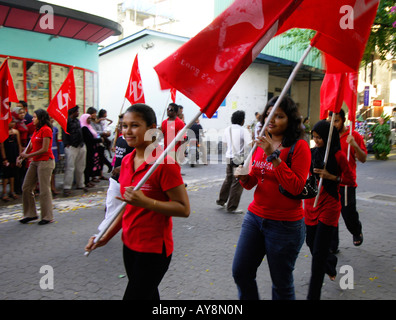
[43, 119]
[145, 111]
[294, 129]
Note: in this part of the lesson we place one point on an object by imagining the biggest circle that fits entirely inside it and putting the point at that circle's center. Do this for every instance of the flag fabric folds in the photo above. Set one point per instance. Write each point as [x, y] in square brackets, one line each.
[134, 92]
[173, 95]
[343, 29]
[206, 67]
[64, 100]
[332, 93]
[7, 95]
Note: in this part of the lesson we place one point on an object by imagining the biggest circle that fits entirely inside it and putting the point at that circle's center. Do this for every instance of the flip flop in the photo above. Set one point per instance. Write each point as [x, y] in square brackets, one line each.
[358, 240]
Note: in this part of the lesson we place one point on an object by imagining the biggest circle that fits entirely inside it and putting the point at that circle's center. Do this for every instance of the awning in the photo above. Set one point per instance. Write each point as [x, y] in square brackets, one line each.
[69, 23]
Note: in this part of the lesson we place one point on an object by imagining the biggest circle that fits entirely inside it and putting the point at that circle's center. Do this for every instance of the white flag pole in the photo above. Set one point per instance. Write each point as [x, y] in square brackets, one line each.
[160, 160]
[326, 157]
[277, 103]
[166, 106]
[348, 156]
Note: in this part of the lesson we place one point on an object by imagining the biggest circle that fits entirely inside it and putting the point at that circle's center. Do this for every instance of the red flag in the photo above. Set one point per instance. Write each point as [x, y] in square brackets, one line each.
[230, 44]
[173, 95]
[134, 92]
[338, 88]
[64, 100]
[331, 93]
[7, 95]
[350, 96]
[343, 29]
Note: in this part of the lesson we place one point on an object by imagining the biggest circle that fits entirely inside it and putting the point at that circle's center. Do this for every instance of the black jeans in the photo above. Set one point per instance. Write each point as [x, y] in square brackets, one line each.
[349, 214]
[318, 240]
[145, 272]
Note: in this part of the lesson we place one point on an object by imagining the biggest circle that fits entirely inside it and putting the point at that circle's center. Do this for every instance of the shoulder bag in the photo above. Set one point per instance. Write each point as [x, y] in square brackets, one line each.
[311, 185]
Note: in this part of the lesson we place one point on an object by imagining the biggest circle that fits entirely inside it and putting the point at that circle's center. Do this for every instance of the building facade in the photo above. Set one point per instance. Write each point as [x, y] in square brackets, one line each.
[42, 43]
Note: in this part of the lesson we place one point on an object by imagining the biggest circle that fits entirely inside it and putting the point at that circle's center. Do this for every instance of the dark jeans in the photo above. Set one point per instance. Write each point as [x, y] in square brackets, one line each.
[318, 240]
[281, 242]
[145, 272]
[231, 190]
[349, 214]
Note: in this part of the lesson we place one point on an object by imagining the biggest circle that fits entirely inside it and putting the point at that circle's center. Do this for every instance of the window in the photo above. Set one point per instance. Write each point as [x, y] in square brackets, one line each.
[37, 82]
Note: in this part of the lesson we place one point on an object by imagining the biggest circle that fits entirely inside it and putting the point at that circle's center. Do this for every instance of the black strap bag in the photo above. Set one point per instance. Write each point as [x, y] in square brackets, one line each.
[311, 185]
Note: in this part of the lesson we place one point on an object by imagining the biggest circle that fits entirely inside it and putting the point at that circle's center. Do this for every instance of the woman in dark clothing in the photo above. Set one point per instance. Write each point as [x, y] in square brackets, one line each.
[321, 220]
[91, 140]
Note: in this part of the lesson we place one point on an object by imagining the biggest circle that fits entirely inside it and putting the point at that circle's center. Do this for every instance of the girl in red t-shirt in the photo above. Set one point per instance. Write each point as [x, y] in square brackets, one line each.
[40, 170]
[273, 225]
[321, 221]
[146, 221]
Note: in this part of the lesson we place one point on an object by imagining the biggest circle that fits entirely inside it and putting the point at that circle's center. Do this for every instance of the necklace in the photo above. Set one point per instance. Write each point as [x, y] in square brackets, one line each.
[280, 145]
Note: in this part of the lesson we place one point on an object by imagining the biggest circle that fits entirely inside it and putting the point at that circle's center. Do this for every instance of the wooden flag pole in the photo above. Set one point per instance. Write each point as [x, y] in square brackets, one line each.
[277, 103]
[160, 160]
[326, 156]
[118, 124]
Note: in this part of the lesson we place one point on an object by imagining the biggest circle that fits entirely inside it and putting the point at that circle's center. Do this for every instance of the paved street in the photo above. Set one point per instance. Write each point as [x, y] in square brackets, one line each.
[204, 246]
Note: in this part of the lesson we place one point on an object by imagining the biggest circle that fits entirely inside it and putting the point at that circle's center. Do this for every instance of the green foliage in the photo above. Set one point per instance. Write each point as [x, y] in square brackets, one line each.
[300, 38]
[382, 40]
[381, 133]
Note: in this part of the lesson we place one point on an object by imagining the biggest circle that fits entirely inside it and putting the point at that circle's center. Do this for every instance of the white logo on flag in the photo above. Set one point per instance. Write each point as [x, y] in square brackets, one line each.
[5, 105]
[60, 97]
[136, 89]
[248, 12]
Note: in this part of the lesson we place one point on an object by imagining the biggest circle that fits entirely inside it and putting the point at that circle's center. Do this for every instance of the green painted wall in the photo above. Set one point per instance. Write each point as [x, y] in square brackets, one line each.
[34, 45]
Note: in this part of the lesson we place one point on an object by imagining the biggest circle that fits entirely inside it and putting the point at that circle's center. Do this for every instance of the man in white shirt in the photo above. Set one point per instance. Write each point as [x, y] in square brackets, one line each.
[238, 139]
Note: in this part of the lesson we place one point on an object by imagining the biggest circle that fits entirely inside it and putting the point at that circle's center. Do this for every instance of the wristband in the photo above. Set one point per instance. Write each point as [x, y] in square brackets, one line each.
[273, 156]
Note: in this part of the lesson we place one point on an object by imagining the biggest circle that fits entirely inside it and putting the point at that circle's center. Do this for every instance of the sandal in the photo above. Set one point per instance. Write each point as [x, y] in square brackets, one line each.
[14, 195]
[26, 220]
[5, 198]
[358, 240]
[42, 222]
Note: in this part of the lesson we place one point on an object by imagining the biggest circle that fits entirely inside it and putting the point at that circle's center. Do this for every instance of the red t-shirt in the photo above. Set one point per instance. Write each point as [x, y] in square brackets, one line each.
[37, 143]
[268, 202]
[328, 208]
[352, 156]
[144, 230]
[170, 129]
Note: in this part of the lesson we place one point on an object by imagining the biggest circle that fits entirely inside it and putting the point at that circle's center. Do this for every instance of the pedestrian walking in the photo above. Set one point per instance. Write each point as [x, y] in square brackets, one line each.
[146, 221]
[75, 153]
[40, 170]
[357, 151]
[10, 150]
[237, 139]
[170, 127]
[322, 220]
[273, 225]
[91, 139]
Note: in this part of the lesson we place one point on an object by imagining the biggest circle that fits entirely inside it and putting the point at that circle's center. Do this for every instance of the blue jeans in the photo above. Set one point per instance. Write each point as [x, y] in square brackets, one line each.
[281, 241]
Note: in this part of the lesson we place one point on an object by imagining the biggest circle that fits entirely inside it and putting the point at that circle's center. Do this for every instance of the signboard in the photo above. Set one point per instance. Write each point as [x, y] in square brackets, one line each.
[378, 103]
[213, 117]
[366, 96]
